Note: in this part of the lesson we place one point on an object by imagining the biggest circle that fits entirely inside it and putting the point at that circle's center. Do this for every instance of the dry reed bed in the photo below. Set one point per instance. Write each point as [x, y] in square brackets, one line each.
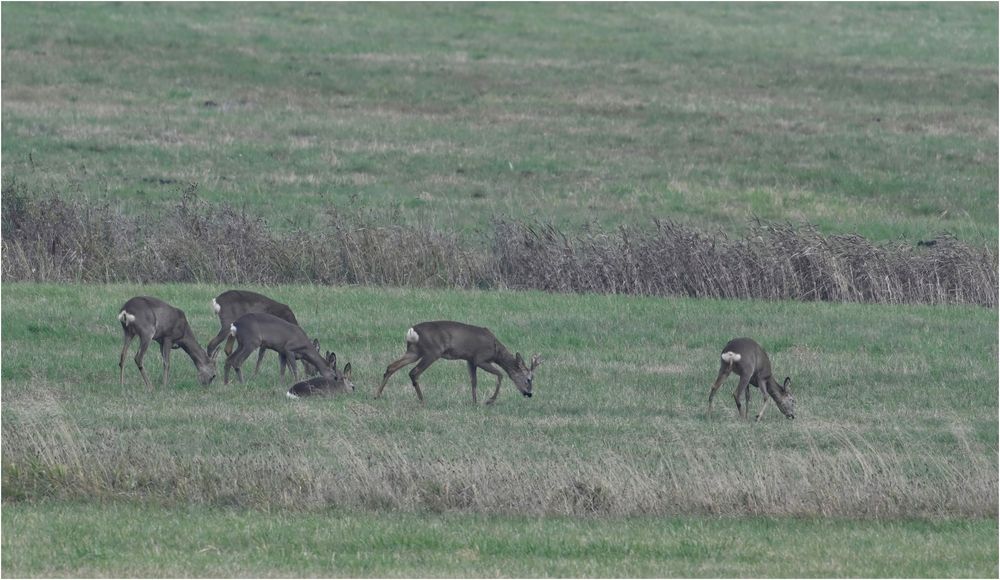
[833, 471]
[53, 239]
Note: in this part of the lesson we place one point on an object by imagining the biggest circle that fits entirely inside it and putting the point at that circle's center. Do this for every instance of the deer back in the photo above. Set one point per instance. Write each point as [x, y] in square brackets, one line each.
[260, 328]
[232, 304]
[453, 340]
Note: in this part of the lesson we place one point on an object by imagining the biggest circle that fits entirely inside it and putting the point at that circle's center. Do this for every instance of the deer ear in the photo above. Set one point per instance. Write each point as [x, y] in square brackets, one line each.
[331, 357]
[518, 359]
[788, 384]
[347, 370]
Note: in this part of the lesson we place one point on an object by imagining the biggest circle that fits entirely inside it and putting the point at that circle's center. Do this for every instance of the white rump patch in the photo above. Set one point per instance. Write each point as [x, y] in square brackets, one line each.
[731, 357]
[412, 336]
[215, 306]
[291, 395]
[126, 317]
[232, 329]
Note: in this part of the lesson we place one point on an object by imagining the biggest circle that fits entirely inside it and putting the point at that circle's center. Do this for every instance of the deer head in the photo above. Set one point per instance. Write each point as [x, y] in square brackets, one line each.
[524, 375]
[783, 398]
[206, 371]
[340, 376]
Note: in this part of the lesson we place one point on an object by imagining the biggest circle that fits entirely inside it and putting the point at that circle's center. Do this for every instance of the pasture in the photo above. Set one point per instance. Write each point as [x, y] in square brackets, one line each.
[897, 421]
[877, 119]
[870, 119]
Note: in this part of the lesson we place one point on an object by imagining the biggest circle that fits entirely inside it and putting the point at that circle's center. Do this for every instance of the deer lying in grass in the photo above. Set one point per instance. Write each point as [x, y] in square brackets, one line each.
[428, 341]
[750, 362]
[266, 331]
[232, 304]
[341, 383]
[153, 319]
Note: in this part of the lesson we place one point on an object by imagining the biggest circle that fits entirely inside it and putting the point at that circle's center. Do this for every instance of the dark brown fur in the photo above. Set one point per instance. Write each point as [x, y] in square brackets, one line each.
[753, 368]
[159, 321]
[457, 341]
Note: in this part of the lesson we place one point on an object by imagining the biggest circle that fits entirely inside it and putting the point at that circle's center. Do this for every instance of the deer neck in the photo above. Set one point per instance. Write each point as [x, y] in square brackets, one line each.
[505, 359]
[190, 345]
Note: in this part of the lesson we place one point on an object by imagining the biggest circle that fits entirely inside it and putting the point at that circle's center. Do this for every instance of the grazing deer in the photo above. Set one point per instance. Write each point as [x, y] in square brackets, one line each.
[153, 319]
[232, 304]
[750, 362]
[341, 383]
[428, 341]
[260, 330]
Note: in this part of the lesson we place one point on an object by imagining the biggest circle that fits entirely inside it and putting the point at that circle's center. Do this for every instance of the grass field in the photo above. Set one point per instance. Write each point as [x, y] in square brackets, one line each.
[57, 540]
[897, 422]
[877, 119]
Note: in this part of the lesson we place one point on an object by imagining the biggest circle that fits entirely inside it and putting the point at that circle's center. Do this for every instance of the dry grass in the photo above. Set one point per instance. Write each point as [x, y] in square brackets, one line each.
[56, 239]
[829, 471]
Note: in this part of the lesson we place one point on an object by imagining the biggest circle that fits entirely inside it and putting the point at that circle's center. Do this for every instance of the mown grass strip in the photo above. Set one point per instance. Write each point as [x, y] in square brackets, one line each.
[71, 539]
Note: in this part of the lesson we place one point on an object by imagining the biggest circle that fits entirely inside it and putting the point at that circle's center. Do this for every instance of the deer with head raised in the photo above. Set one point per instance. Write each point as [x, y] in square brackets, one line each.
[428, 341]
[153, 319]
[750, 362]
[266, 331]
[232, 304]
[340, 383]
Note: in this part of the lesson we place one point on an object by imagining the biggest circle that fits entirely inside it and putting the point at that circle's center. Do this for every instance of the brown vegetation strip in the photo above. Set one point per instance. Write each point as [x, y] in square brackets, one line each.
[54, 239]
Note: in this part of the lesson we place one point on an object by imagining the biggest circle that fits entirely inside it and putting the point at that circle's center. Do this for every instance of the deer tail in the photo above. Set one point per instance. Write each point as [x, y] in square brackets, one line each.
[125, 318]
[231, 340]
[731, 357]
[412, 337]
[215, 306]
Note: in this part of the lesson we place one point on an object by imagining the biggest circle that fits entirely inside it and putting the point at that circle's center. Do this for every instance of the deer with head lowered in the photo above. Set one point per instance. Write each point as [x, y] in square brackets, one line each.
[266, 331]
[750, 362]
[153, 319]
[428, 341]
[340, 383]
[232, 304]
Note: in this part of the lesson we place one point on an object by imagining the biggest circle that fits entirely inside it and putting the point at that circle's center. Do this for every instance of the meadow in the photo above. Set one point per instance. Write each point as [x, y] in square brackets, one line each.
[422, 127]
[878, 119]
[897, 419]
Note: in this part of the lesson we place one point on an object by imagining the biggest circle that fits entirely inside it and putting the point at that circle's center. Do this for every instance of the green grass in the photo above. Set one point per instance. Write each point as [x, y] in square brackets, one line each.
[896, 421]
[58, 539]
[878, 119]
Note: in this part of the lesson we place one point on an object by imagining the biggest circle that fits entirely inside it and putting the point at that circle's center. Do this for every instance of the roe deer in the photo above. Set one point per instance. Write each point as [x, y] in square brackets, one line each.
[261, 330]
[341, 383]
[750, 362]
[428, 341]
[232, 304]
[153, 319]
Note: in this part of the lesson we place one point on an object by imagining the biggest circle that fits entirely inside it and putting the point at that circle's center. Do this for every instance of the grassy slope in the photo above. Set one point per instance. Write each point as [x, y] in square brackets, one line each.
[876, 119]
[897, 417]
[63, 540]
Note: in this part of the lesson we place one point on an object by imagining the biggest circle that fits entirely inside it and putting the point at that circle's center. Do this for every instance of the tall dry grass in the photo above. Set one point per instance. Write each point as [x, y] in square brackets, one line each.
[833, 471]
[70, 240]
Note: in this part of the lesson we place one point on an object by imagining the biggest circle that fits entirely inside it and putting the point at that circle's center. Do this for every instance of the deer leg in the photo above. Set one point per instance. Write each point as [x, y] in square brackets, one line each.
[416, 371]
[260, 357]
[143, 345]
[741, 392]
[394, 366]
[235, 361]
[472, 377]
[126, 341]
[724, 372]
[165, 348]
[290, 362]
[492, 369]
[213, 344]
[767, 399]
[282, 363]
